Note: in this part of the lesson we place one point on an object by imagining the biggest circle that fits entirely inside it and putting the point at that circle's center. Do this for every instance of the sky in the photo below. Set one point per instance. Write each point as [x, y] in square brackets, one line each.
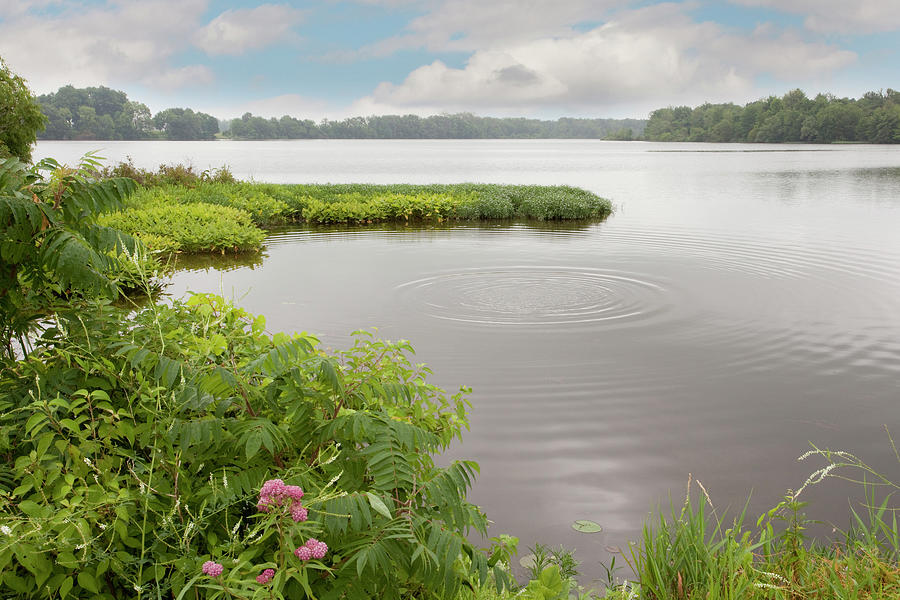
[534, 58]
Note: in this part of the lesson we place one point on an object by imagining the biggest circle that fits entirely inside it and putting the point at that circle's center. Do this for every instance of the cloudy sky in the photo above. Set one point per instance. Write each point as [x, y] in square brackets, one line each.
[542, 58]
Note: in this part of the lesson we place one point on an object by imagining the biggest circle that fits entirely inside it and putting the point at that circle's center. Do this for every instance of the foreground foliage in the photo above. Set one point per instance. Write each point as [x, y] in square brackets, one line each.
[52, 249]
[20, 116]
[136, 449]
[696, 553]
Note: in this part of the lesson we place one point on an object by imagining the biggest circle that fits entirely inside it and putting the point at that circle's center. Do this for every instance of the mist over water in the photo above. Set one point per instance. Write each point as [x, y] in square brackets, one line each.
[737, 306]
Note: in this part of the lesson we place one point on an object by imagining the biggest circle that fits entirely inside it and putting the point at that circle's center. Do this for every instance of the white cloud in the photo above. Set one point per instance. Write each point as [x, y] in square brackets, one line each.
[644, 58]
[840, 16]
[13, 8]
[177, 78]
[469, 25]
[125, 41]
[236, 31]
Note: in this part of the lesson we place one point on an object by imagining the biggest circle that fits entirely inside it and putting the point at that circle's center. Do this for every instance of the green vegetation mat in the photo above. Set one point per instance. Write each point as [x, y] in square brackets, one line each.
[176, 214]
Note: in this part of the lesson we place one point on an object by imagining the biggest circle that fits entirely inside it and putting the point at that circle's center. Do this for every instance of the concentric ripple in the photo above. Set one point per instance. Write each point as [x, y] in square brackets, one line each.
[529, 295]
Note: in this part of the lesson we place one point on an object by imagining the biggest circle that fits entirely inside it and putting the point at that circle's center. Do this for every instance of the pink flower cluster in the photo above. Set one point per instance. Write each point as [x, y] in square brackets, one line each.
[266, 576]
[312, 549]
[213, 569]
[275, 493]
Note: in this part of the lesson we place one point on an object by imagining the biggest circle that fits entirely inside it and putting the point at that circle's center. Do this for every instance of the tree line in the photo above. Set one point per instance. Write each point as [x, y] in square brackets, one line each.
[104, 114]
[873, 118]
[100, 113]
[444, 126]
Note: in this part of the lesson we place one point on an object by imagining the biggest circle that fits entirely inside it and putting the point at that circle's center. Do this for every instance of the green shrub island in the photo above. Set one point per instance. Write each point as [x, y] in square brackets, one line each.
[179, 210]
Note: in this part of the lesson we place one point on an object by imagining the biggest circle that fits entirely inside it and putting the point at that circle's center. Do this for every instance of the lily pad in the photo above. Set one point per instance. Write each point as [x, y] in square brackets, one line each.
[527, 561]
[585, 526]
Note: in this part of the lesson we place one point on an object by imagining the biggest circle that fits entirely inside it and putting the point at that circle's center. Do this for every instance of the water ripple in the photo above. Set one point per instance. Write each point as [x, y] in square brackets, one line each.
[536, 295]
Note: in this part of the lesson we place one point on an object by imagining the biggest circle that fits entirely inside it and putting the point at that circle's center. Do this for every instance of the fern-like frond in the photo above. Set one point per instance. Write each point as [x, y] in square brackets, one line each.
[280, 358]
[85, 200]
[76, 264]
[107, 239]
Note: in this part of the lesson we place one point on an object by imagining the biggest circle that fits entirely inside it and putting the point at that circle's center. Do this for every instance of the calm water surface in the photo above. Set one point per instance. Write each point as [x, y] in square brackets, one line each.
[742, 302]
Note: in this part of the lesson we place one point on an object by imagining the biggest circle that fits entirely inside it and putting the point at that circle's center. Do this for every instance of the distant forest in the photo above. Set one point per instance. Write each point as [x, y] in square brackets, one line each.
[100, 113]
[456, 126]
[874, 118]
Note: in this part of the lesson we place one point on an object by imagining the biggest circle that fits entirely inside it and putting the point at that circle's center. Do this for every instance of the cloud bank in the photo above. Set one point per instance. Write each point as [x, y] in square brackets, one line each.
[656, 54]
[839, 16]
[235, 32]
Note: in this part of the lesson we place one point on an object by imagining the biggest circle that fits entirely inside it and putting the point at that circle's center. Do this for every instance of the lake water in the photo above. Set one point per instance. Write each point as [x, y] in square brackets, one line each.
[741, 303]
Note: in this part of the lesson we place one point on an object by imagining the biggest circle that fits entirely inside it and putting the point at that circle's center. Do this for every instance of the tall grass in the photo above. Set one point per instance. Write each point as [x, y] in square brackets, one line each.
[694, 553]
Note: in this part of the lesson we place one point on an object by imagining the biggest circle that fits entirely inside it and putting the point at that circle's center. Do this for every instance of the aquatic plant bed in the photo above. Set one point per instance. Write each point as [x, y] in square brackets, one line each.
[159, 215]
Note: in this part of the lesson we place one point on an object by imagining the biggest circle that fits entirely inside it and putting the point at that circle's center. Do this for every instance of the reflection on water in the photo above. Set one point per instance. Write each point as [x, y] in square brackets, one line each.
[735, 308]
[219, 262]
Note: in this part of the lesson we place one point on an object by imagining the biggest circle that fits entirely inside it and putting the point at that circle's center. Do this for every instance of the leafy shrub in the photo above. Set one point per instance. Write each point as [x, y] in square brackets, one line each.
[142, 454]
[52, 249]
[555, 203]
[365, 202]
[183, 175]
[492, 205]
[198, 227]
[139, 272]
[262, 208]
[21, 117]
[360, 208]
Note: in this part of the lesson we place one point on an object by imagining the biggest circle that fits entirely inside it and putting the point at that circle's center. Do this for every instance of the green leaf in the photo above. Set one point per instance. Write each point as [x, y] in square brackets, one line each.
[34, 420]
[378, 505]
[585, 526]
[33, 509]
[65, 587]
[87, 581]
[253, 444]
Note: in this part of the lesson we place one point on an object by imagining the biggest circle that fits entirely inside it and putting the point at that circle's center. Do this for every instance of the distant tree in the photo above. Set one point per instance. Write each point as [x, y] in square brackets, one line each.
[88, 125]
[59, 123]
[134, 121]
[838, 122]
[20, 116]
[185, 124]
[94, 113]
[792, 118]
[882, 126]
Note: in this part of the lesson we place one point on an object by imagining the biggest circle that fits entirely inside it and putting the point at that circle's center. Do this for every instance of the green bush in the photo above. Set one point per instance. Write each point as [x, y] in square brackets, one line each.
[273, 204]
[52, 249]
[367, 203]
[359, 208]
[183, 175]
[198, 227]
[263, 209]
[139, 450]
